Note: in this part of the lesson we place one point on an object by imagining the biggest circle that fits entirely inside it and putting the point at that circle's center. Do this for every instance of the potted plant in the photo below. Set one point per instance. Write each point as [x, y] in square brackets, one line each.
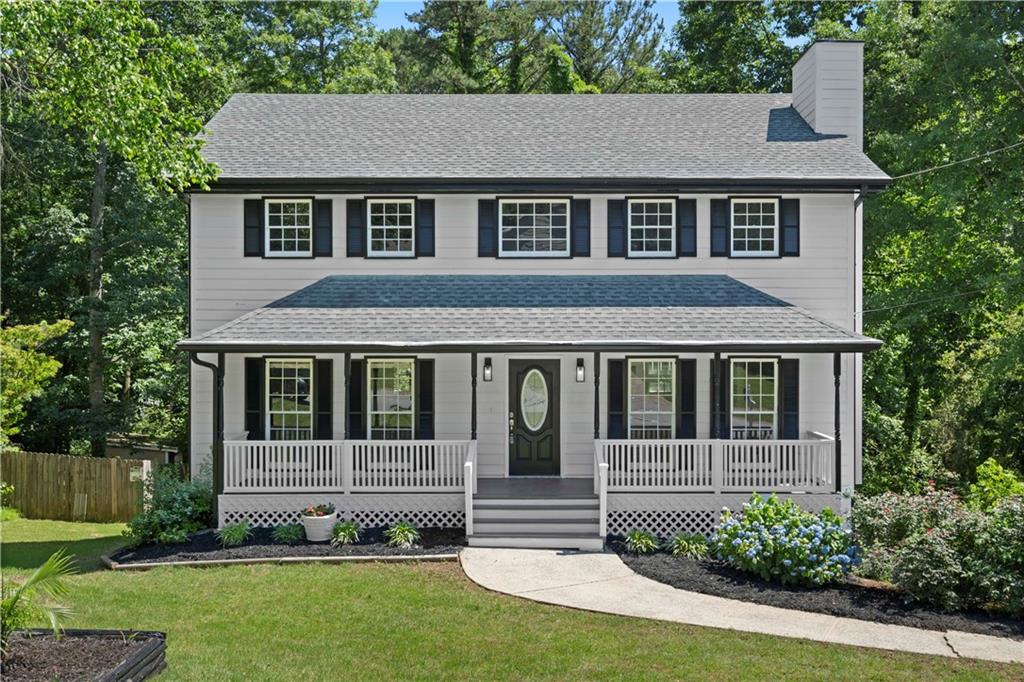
[318, 520]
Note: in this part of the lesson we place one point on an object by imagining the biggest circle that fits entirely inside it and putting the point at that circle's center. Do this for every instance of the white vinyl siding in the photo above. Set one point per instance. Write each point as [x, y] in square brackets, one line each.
[652, 227]
[754, 396]
[652, 398]
[391, 399]
[392, 227]
[755, 227]
[533, 228]
[289, 225]
[289, 399]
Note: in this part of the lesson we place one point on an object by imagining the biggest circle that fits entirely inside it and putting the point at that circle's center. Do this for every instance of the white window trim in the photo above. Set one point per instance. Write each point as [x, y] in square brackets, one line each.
[266, 394]
[732, 226]
[266, 228]
[502, 253]
[629, 228]
[369, 396]
[629, 394]
[370, 253]
[732, 396]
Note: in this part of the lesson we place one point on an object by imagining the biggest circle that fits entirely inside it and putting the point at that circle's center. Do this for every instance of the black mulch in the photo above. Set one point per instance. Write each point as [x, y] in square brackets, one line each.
[850, 601]
[44, 657]
[204, 546]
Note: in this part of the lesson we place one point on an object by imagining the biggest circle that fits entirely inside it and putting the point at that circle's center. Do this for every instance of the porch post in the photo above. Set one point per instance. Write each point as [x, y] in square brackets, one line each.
[836, 371]
[597, 395]
[347, 362]
[716, 398]
[472, 382]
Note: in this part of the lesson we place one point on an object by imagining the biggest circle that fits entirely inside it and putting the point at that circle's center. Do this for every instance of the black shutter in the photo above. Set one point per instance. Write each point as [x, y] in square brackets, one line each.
[487, 224]
[616, 228]
[424, 227]
[686, 398]
[616, 398]
[581, 227]
[323, 385]
[720, 227]
[323, 227]
[355, 401]
[790, 220]
[686, 227]
[254, 396]
[355, 228]
[253, 227]
[424, 399]
[789, 405]
[724, 410]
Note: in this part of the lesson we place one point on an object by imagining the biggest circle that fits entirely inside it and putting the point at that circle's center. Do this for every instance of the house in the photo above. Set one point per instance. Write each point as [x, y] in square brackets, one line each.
[545, 317]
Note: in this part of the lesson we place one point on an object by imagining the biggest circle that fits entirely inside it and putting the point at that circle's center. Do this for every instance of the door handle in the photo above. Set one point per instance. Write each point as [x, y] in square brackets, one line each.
[511, 428]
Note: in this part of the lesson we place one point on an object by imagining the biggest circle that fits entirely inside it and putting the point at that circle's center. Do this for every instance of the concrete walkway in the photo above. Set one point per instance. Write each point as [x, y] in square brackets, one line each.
[601, 582]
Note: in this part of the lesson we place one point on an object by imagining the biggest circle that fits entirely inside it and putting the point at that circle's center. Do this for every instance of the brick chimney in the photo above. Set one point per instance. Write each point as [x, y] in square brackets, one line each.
[828, 88]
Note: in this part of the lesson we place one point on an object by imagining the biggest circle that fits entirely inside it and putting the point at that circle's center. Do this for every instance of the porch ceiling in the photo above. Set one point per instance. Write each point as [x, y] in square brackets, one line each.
[453, 313]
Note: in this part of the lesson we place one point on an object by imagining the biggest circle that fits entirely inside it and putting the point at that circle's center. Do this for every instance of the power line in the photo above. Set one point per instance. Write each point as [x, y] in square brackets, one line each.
[930, 300]
[955, 163]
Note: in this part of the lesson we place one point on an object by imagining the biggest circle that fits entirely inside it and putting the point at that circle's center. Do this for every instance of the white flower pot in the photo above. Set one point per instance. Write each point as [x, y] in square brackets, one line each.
[318, 528]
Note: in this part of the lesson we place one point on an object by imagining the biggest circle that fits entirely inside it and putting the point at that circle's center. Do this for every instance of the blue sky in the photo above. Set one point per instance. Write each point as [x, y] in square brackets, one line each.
[391, 13]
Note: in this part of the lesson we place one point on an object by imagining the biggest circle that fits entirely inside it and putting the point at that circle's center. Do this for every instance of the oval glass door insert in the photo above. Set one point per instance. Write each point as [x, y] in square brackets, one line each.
[533, 400]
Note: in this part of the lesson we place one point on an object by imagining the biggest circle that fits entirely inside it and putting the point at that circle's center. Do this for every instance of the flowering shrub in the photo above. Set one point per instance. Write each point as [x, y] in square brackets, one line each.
[318, 510]
[780, 541]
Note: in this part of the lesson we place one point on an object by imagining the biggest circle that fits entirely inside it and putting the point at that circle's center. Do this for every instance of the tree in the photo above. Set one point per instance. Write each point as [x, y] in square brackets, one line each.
[24, 369]
[561, 78]
[455, 43]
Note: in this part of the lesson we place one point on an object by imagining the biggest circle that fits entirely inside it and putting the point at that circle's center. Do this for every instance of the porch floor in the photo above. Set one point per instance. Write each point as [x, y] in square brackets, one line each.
[534, 488]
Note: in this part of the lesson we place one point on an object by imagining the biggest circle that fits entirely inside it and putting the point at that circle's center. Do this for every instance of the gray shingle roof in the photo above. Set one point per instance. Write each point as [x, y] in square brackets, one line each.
[668, 137]
[447, 312]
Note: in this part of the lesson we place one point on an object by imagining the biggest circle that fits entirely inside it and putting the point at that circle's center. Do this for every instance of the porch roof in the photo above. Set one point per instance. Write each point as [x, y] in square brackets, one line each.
[463, 313]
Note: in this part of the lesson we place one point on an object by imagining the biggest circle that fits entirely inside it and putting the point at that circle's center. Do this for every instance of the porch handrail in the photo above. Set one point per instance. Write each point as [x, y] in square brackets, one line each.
[408, 465]
[276, 465]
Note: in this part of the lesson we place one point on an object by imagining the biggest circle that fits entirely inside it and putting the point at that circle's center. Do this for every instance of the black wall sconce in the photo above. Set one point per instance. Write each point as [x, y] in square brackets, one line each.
[488, 370]
[581, 371]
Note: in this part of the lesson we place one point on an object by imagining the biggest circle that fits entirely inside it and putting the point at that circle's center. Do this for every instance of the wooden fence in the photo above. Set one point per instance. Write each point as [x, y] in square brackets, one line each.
[69, 488]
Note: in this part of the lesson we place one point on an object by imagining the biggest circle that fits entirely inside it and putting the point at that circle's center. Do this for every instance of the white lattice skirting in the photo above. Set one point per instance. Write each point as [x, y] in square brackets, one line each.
[438, 510]
[665, 514]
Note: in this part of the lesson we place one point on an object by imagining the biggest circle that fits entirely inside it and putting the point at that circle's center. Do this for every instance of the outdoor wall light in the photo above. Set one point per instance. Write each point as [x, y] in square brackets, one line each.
[488, 370]
[581, 371]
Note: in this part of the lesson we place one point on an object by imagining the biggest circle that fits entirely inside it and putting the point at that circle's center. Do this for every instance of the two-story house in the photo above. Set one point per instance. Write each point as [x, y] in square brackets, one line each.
[544, 317]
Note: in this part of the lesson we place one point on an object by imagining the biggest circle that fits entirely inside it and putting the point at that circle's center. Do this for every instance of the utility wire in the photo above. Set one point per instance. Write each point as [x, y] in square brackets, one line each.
[930, 300]
[955, 163]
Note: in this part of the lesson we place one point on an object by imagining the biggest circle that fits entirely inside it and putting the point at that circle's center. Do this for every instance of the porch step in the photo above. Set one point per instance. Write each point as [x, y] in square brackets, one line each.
[509, 501]
[536, 526]
[487, 511]
[583, 541]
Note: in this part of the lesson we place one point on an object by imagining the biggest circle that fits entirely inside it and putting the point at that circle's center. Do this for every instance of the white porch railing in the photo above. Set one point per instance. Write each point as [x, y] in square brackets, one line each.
[806, 465]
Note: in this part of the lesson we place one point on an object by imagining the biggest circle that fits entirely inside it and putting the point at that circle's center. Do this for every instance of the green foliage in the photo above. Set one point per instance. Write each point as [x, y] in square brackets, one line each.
[561, 77]
[25, 369]
[779, 541]
[402, 534]
[178, 507]
[6, 494]
[641, 542]
[994, 484]
[38, 597]
[689, 545]
[288, 534]
[234, 534]
[345, 533]
[318, 510]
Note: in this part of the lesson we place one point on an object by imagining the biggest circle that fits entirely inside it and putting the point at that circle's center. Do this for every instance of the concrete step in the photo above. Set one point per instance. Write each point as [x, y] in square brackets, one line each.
[537, 540]
[483, 512]
[576, 501]
[536, 526]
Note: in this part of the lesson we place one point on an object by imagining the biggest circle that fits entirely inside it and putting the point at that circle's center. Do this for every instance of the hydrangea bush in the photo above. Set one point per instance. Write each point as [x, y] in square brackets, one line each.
[779, 541]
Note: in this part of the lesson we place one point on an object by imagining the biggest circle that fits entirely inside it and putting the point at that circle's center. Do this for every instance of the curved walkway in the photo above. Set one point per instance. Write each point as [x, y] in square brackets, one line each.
[601, 582]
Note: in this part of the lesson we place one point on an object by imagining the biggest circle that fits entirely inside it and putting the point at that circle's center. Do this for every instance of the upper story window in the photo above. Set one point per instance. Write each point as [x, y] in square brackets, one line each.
[289, 399]
[289, 227]
[534, 228]
[753, 398]
[392, 227]
[755, 227]
[392, 405]
[652, 229]
[652, 384]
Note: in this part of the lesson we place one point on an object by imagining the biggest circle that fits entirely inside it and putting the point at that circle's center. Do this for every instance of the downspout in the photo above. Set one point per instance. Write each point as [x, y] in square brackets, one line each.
[217, 449]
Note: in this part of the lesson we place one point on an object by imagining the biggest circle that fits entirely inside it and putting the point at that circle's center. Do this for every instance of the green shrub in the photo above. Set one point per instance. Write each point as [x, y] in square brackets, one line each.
[780, 541]
[994, 485]
[1001, 550]
[177, 508]
[38, 597]
[402, 534]
[347, 533]
[234, 534]
[6, 494]
[890, 518]
[641, 542]
[288, 534]
[688, 545]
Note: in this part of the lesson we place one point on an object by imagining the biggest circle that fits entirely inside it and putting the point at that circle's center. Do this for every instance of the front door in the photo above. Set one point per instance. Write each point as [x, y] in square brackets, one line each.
[533, 418]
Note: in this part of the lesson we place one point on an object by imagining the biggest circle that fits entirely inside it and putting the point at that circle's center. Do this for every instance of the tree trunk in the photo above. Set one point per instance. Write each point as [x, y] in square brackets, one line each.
[97, 321]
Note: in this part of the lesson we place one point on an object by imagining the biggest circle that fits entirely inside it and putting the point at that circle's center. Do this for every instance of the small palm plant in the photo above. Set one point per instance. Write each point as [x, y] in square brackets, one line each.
[345, 533]
[402, 534]
[36, 598]
[641, 542]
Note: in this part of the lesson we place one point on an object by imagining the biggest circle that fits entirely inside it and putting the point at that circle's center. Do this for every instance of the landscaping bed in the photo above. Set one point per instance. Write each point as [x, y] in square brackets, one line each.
[205, 547]
[712, 577]
[84, 654]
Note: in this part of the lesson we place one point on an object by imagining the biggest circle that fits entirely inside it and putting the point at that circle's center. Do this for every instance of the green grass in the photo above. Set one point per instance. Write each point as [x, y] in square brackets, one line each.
[427, 621]
[28, 542]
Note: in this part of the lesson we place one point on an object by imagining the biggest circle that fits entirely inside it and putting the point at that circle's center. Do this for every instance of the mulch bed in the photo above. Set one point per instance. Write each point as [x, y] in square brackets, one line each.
[205, 547]
[78, 655]
[850, 601]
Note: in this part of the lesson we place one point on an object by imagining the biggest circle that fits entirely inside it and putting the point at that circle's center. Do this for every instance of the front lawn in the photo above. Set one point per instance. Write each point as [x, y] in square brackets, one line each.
[427, 621]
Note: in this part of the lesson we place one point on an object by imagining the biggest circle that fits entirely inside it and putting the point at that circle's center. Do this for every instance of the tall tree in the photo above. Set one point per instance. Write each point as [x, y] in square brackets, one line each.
[26, 369]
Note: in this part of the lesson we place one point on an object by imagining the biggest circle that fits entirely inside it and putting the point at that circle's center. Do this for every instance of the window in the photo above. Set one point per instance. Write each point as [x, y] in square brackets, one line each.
[754, 227]
[392, 227]
[534, 228]
[390, 394]
[652, 398]
[289, 227]
[652, 230]
[753, 399]
[289, 399]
